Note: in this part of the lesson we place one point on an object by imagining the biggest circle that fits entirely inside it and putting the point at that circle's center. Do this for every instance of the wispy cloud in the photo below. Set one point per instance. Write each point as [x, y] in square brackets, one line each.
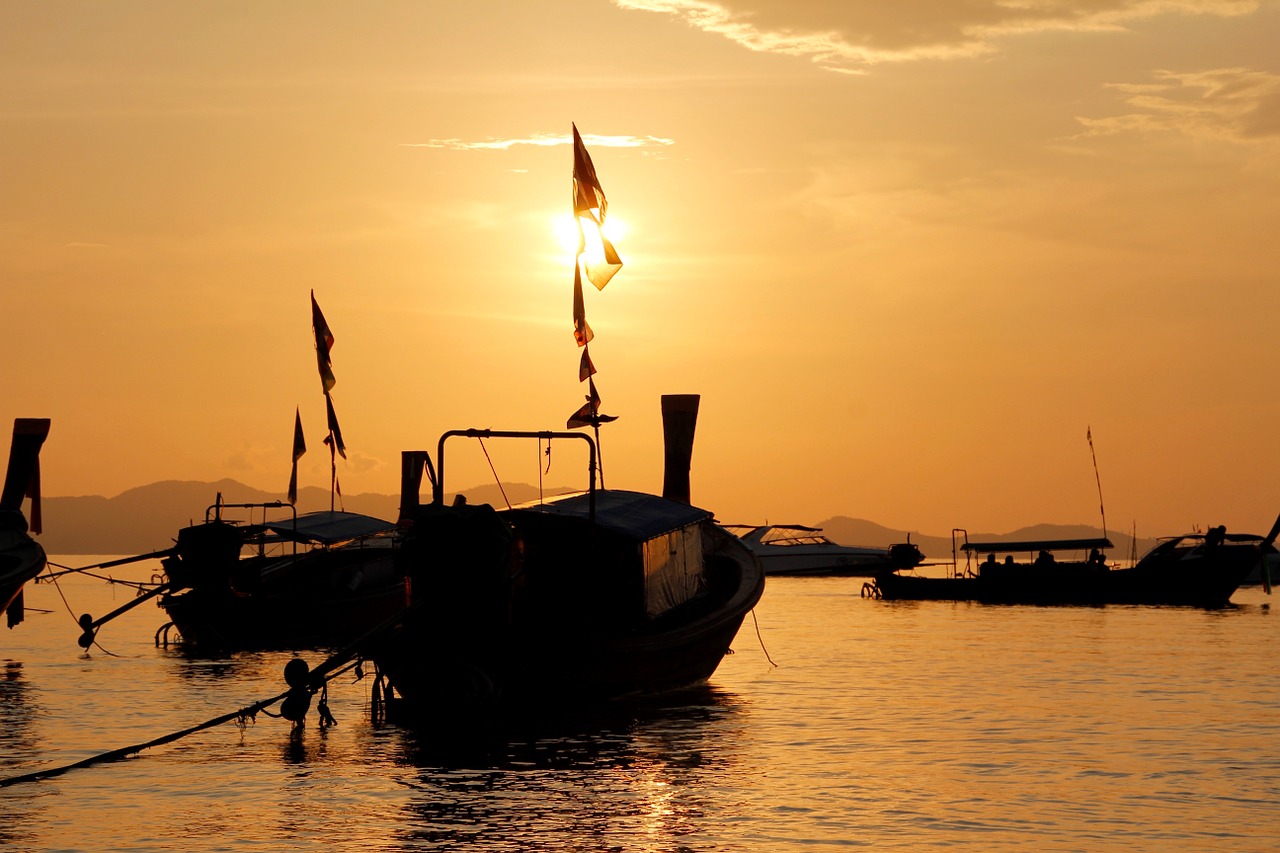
[544, 140]
[848, 37]
[1238, 104]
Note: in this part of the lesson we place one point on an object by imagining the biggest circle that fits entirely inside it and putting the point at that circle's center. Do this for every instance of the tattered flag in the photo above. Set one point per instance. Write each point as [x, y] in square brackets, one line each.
[324, 343]
[581, 331]
[590, 203]
[585, 368]
[589, 414]
[334, 438]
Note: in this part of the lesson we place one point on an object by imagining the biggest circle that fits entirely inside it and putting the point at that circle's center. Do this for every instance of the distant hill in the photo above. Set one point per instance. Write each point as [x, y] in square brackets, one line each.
[857, 531]
[148, 518]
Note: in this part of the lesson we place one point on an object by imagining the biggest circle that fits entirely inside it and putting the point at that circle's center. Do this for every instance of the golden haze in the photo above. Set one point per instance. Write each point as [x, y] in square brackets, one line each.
[906, 261]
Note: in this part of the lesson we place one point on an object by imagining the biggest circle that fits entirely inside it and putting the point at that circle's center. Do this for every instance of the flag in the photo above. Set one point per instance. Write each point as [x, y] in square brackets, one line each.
[334, 438]
[324, 343]
[299, 448]
[585, 368]
[581, 331]
[589, 414]
[590, 203]
[588, 196]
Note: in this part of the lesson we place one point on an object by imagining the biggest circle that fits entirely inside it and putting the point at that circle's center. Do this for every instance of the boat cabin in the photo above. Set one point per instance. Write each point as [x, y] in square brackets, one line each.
[640, 556]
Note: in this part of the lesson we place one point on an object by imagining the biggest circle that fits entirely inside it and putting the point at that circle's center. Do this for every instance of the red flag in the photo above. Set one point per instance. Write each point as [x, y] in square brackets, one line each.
[334, 438]
[324, 343]
[299, 448]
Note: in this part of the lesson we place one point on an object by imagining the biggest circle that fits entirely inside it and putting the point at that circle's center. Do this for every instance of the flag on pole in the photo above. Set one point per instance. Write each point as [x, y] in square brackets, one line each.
[581, 331]
[589, 203]
[585, 368]
[589, 414]
[334, 439]
[299, 448]
[324, 343]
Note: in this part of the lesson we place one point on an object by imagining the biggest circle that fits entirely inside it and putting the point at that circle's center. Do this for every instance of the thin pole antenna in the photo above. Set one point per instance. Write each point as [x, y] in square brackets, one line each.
[1088, 434]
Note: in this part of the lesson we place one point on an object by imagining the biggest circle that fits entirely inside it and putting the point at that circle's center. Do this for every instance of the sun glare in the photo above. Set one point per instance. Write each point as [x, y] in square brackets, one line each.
[566, 234]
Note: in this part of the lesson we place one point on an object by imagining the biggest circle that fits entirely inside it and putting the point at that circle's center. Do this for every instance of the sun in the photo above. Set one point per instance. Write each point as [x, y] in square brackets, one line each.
[565, 231]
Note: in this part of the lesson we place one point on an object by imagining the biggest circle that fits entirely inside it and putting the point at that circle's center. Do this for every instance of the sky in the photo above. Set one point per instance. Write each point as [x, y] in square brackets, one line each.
[925, 262]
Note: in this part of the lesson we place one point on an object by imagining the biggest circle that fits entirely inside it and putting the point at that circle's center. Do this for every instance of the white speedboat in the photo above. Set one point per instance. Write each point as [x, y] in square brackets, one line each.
[793, 549]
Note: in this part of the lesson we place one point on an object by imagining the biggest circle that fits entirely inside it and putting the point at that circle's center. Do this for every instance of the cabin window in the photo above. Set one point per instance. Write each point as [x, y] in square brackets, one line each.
[672, 569]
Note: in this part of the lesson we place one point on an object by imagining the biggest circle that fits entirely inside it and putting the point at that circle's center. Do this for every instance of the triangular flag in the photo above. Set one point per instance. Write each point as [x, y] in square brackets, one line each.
[334, 438]
[581, 331]
[324, 343]
[299, 448]
[588, 196]
[585, 368]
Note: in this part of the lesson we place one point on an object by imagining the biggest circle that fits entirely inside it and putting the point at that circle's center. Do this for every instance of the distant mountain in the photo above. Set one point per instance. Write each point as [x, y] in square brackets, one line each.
[857, 531]
[148, 518]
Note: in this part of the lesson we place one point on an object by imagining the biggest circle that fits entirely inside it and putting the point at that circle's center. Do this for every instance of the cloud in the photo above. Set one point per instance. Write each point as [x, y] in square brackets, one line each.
[544, 140]
[1236, 104]
[846, 37]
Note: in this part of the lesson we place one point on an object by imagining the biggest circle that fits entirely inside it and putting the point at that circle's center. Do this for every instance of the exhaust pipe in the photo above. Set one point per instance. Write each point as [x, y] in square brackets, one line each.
[679, 419]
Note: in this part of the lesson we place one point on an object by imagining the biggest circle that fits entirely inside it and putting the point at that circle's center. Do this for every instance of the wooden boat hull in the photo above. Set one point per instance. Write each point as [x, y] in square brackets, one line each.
[317, 599]
[469, 670]
[1192, 580]
[21, 559]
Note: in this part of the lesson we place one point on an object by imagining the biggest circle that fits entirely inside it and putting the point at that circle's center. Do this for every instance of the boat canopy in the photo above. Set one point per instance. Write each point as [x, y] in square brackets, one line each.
[1036, 545]
[328, 528]
[636, 515]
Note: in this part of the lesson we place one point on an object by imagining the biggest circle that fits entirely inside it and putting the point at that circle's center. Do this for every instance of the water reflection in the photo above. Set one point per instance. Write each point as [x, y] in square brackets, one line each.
[652, 771]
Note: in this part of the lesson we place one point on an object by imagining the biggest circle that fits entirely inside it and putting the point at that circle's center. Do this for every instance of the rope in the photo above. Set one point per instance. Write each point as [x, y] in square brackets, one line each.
[760, 638]
[117, 754]
[72, 614]
[242, 716]
[495, 473]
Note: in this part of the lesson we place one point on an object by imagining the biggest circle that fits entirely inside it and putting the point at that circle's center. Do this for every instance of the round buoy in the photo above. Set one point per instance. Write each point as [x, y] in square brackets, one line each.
[296, 672]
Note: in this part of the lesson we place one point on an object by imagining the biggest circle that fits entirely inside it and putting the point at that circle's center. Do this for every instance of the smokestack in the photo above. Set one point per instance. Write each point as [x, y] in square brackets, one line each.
[679, 419]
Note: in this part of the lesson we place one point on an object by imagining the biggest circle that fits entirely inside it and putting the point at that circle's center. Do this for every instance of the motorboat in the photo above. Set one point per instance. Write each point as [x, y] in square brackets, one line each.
[795, 549]
[1196, 569]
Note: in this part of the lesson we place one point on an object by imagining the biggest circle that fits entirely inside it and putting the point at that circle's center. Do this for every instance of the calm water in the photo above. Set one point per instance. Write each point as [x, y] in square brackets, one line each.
[888, 726]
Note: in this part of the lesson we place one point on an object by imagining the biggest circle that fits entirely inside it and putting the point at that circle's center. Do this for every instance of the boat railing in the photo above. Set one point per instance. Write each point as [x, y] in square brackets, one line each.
[437, 496]
[958, 534]
[219, 505]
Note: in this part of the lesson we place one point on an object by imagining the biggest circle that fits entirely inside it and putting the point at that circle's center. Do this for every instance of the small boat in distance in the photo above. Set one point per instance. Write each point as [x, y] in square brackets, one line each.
[794, 549]
[21, 557]
[566, 603]
[1199, 570]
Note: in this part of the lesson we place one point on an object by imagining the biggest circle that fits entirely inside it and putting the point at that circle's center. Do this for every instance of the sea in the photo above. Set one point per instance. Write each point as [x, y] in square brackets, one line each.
[839, 722]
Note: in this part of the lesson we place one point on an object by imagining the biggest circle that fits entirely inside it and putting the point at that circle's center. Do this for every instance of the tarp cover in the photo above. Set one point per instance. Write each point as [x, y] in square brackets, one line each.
[635, 514]
[327, 527]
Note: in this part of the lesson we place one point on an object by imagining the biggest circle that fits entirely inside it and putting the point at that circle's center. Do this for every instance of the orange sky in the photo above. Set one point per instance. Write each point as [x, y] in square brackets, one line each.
[906, 252]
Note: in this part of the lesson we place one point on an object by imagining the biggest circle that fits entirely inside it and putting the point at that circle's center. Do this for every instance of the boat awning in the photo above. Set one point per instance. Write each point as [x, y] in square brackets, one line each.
[327, 528]
[635, 514]
[1036, 545]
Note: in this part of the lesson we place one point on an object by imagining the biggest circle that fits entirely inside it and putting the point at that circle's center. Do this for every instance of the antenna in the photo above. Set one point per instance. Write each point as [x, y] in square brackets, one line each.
[1088, 434]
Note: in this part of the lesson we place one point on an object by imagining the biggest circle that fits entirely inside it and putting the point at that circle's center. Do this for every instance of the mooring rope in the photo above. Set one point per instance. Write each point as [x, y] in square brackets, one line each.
[123, 752]
[244, 714]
